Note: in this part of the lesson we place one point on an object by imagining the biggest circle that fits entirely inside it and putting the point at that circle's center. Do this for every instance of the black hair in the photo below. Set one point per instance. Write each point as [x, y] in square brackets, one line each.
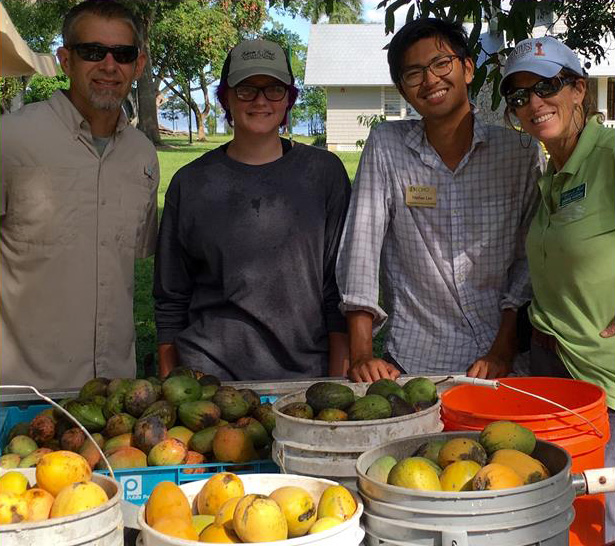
[449, 32]
[107, 9]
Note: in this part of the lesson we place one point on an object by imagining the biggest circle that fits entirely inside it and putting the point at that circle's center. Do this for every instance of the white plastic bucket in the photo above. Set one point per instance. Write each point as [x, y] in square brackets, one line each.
[102, 526]
[331, 449]
[348, 533]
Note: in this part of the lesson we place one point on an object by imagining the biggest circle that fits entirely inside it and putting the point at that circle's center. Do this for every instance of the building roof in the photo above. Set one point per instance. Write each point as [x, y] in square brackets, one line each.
[353, 55]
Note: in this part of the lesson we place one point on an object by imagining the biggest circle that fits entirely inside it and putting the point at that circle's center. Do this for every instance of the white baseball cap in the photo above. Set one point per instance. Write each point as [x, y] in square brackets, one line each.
[256, 58]
[544, 56]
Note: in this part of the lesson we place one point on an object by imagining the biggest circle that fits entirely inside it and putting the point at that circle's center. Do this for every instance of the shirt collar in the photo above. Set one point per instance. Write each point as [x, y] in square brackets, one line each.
[72, 118]
[586, 143]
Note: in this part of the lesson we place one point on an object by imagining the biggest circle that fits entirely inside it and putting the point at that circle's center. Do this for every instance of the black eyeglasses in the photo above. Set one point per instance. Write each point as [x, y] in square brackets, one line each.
[274, 93]
[520, 96]
[442, 66]
[95, 53]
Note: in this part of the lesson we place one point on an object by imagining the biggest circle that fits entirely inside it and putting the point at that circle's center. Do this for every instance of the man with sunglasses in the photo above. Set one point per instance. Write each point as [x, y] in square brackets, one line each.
[79, 205]
[245, 265]
[438, 216]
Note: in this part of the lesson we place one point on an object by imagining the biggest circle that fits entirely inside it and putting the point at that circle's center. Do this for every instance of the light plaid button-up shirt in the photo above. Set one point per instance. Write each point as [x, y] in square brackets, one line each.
[446, 272]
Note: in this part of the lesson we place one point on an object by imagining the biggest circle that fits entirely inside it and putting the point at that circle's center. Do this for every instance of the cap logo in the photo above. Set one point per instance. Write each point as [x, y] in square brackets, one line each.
[539, 51]
[258, 54]
[521, 50]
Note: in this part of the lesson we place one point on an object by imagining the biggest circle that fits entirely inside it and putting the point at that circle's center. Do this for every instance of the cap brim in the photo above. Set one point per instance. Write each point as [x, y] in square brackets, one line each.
[239, 75]
[544, 68]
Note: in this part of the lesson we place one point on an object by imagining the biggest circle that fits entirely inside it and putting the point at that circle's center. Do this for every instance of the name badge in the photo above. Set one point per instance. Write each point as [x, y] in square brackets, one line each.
[421, 196]
[570, 196]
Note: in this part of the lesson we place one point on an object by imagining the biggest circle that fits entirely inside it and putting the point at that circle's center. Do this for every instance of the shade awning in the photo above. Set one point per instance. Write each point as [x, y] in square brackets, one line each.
[16, 58]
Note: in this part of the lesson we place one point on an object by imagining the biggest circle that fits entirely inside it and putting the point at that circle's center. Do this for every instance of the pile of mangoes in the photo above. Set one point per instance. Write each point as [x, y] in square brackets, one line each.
[227, 515]
[329, 401]
[63, 488]
[187, 419]
[501, 458]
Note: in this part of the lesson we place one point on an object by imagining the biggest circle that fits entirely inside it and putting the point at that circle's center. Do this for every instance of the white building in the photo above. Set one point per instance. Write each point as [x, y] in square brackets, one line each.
[350, 62]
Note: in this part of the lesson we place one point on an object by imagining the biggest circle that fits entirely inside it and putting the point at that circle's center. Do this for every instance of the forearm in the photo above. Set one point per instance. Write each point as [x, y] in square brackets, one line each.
[505, 343]
[167, 359]
[360, 332]
[338, 354]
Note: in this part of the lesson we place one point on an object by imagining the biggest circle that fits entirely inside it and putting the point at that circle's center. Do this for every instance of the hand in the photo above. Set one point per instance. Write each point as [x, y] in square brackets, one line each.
[490, 367]
[609, 331]
[372, 369]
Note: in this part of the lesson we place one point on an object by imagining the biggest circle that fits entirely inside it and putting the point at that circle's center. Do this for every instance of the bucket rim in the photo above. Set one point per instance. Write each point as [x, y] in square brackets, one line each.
[601, 401]
[298, 541]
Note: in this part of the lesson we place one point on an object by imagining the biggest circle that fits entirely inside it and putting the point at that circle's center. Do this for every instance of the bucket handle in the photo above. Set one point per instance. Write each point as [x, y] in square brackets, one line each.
[594, 481]
[496, 385]
[56, 405]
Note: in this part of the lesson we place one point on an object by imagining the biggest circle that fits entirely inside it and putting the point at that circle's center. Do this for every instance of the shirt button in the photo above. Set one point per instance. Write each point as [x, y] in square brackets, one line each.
[103, 202]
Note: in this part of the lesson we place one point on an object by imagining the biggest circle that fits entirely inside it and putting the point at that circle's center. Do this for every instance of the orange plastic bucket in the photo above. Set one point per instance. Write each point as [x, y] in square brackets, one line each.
[469, 407]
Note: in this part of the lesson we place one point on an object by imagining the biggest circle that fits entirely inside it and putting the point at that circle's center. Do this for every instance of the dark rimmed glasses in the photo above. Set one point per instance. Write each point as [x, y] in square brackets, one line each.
[94, 53]
[547, 87]
[442, 66]
[274, 93]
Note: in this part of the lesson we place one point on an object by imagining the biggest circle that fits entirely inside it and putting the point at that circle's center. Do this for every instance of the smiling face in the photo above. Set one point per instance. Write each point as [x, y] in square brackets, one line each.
[259, 116]
[549, 119]
[102, 85]
[437, 97]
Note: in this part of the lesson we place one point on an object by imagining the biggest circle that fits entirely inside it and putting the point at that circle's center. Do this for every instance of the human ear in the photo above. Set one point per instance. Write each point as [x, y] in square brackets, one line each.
[468, 70]
[64, 59]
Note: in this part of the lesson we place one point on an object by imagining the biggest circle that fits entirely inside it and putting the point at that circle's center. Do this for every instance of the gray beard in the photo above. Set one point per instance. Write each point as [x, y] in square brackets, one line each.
[105, 101]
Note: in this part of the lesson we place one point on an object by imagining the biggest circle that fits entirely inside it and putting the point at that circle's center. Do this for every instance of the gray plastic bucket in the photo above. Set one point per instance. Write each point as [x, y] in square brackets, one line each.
[331, 449]
[102, 526]
[539, 514]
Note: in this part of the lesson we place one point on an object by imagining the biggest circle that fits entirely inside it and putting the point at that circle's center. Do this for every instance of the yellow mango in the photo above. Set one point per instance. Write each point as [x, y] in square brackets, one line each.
[78, 497]
[298, 508]
[495, 476]
[258, 518]
[13, 508]
[177, 527]
[324, 524]
[217, 490]
[13, 482]
[58, 469]
[336, 501]
[167, 501]
[531, 470]
[39, 504]
[219, 534]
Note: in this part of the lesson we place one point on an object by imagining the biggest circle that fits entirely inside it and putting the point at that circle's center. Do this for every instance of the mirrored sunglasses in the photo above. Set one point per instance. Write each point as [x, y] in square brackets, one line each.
[94, 53]
[520, 96]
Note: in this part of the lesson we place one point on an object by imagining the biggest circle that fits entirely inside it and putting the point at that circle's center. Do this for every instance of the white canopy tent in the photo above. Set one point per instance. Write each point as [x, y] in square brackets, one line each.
[16, 58]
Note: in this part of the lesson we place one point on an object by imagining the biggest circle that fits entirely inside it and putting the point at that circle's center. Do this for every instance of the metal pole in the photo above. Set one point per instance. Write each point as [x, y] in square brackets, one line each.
[290, 115]
[189, 115]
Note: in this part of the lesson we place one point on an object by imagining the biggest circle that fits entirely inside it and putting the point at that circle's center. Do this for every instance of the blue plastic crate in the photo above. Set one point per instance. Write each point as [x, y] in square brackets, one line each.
[138, 483]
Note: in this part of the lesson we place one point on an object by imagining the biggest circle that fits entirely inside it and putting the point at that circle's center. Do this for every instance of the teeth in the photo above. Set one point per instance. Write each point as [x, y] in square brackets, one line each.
[543, 118]
[436, 95]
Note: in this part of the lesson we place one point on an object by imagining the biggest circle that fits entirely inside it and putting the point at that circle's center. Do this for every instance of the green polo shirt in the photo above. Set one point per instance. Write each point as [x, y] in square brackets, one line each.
[571, 253]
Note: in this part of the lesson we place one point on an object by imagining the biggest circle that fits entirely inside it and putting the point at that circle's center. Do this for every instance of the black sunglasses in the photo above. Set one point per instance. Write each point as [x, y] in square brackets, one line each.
[95, 53]
[520, 96]
[273, 93]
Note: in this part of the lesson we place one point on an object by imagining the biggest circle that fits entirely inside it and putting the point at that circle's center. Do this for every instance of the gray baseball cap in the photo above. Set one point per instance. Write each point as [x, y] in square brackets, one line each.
[544, 56]
[257, 58]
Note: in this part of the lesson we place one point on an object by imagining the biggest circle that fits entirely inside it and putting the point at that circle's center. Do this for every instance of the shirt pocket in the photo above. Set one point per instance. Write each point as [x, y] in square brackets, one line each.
[43, 205]
[137, 192]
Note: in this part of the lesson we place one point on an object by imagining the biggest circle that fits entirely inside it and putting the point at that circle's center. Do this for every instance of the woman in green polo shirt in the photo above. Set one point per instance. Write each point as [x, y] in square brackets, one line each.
[571, 242]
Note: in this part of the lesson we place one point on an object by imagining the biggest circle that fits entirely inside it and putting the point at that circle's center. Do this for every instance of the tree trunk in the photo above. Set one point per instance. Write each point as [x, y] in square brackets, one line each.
[148, 113]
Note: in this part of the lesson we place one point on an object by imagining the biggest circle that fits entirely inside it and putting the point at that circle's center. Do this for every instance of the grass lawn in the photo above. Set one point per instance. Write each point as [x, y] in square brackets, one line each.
[174, 155]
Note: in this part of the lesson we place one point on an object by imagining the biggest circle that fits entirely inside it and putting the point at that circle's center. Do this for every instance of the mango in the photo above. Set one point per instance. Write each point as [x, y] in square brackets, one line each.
[194, 457]
[112, 444]
[78, 497]
[380, 468]
[127, 457]
[10, 460]
[219, 534]
[90, 452]
[199, 522]
[458, 476]
[148, 432]
[13, 482]
[139, 396]
[118, 424]
[42, 428]
[265, 416]
[298, 508]
[181, 433]
[529, 469]
[13, 508]
[414, 473]
[231, 403]
[301, 410]
[114, 405]
[495, 476]
[118, 385]
[461, 449]
[176, 527]
[233, 444]
[20, 429]
[258, 518]
[180, 389]
[39, 504]
[251, 397]
[430, 450]
[217, 490]
[72, 439]
[324, 524]
[169, 452]
[21, 445]
[167, 500]
[507, 435]
[59, 469]
[198, 414]
[203, 440]
[163, 409]
[338, 502]
[34, 457]
[224, 515]
[94, 387]
[257, 433]
[331, 415]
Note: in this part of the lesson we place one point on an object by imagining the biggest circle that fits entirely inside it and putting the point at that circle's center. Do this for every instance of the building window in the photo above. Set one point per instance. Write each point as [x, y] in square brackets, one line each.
[391, 102]
[610, 99]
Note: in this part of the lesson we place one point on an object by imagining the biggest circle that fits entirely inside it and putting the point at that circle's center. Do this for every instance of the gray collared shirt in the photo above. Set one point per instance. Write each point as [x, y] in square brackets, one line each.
[447, 271]
[73, 222]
